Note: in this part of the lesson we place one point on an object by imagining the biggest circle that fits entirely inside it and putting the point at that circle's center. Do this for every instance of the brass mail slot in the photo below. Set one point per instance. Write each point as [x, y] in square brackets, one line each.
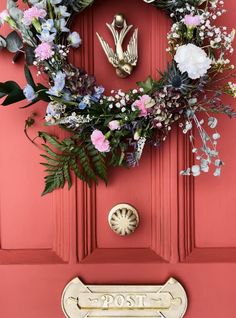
[123, 301]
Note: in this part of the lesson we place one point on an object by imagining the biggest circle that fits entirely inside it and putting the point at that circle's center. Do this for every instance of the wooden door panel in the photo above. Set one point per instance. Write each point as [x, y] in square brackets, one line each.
[206, 204]
[152, 240]
[207, 208]
[187, 225]
[215, 197]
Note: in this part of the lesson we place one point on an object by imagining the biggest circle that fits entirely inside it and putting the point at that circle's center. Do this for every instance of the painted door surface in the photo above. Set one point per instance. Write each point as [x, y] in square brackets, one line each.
[187, 227]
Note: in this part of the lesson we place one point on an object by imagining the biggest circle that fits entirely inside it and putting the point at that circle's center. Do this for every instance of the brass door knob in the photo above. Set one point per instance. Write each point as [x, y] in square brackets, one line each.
[123, 219]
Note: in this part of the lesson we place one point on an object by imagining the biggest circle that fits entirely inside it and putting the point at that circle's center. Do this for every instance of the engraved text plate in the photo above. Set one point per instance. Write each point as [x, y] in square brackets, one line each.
[95, 301]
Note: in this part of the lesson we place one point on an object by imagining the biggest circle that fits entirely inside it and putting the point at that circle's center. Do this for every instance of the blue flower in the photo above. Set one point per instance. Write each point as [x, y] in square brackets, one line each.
[85, 102]
[40, 4]
[46, 36]
[29, 93]
[52, 109]
[67, 95]
[61, 24]
[74, 39]
[98, 93]
[49, 26]
[82, 105]
[59, 84]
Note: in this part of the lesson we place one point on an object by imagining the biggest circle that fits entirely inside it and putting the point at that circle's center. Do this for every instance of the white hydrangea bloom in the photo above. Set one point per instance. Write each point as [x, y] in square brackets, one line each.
[193, 60]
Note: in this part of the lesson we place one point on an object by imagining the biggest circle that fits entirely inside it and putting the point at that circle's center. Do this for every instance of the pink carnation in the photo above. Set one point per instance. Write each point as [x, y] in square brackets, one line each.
[99, 141]
[192, 21]
[33, 13]
[44, 51]
[114, 125]
[143, 103]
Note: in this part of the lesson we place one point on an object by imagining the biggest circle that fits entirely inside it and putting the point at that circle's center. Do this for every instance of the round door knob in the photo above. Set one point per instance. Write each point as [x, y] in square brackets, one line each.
[123, 219]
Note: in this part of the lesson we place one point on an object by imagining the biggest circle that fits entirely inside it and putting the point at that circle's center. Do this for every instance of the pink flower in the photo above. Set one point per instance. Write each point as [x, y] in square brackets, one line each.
[33, 13]
[44, 51]
[114, 125]
[99, 141]
[192, 21]
[143, 103]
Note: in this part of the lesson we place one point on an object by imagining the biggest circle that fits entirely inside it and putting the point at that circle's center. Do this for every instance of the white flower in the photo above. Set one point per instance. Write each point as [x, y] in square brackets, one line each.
[193, 60]
[74, 39]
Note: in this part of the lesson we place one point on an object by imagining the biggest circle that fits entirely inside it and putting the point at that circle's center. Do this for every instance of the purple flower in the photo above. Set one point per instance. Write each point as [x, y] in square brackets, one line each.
[44, 51]
[32, 14]
[29, 93]
[192, 21]
[59, 84]
[74, 39]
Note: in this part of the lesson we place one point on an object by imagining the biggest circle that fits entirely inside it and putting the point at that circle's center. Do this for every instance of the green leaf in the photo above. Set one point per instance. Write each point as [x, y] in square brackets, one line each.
[80, 5]
[98, 161]
[14, 42]
[29, 77]
[50, 160]
[70, 155]
[15, 13]
[29, 55]
[74, 166]
[42, 93]
[14, 97]
[53, 181]
[51, 152]
[17, 56]
[84, 160]
[52, 140]
[147, 85]
[3, 42]
[14, 92]
[32, 103]
[66, 170]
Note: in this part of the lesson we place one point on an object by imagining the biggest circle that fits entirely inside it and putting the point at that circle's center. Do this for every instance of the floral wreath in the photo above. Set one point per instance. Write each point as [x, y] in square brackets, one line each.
[113, 130]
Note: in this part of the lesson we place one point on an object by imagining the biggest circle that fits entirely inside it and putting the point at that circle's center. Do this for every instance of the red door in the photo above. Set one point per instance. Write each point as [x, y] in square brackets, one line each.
[187, 226]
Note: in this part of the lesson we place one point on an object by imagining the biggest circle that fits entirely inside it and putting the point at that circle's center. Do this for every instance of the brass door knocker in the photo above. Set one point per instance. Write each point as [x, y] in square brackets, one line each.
[123, 61]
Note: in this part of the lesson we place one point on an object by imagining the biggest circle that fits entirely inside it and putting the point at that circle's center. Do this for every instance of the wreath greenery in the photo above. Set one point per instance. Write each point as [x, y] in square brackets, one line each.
[113, 130]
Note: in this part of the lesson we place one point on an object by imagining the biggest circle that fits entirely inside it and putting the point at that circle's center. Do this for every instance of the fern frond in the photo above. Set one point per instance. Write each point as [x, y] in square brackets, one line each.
[84, 160]
[66, 156]
[98, 161]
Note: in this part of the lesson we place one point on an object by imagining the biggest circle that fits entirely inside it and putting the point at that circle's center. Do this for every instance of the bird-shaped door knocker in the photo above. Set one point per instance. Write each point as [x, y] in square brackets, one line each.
[123, 61]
